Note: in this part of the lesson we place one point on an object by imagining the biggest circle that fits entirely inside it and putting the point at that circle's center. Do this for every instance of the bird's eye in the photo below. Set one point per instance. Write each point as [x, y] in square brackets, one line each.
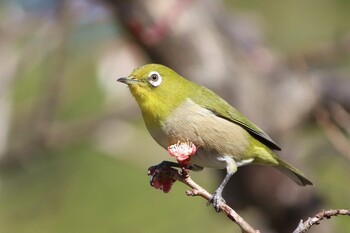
[154, 78]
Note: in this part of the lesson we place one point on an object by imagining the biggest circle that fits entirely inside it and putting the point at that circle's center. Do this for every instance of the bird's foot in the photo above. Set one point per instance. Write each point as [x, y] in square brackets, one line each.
[216, 201]
[160, 176]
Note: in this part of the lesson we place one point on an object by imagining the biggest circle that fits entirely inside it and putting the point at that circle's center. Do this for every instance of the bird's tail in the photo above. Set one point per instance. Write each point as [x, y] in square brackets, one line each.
[293, 173]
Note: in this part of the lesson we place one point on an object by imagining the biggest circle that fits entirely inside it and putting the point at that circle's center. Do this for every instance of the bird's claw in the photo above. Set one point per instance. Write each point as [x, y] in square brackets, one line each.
[216, 201]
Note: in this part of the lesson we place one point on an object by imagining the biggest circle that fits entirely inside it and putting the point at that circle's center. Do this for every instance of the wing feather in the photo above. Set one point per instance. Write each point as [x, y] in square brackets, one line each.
[222, 109]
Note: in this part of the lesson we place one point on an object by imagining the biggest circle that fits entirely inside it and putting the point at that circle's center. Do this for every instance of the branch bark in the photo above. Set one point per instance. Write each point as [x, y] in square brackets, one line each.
[326, 214]
[303, 226]
[164, 175]
[197, 190]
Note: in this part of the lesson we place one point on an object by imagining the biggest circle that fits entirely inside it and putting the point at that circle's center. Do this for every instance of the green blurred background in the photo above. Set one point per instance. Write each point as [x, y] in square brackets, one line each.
[74, 150]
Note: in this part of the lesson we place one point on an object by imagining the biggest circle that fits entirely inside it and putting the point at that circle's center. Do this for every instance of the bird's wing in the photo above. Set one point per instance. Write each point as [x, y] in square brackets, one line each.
[222, 109]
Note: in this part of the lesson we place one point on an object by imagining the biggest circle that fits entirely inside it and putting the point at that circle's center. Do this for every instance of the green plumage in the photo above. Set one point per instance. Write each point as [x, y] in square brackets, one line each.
[222, 109]
[175, 109]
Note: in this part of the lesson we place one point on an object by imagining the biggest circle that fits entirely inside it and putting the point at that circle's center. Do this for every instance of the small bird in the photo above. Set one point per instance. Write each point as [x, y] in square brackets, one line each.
[175, 110]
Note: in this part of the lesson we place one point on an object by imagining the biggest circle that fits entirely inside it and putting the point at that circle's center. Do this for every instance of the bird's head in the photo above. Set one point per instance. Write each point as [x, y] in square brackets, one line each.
[157, 88]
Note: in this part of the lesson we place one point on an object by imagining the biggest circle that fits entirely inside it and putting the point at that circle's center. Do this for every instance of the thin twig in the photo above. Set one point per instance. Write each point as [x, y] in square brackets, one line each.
[326, 214]
[197, 190]
[341, 116]
[164, 175]
[339, 141]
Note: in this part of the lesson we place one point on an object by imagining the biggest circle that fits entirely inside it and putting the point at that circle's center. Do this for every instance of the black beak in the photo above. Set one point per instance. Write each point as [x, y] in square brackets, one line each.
[128, 80]
[123, 80]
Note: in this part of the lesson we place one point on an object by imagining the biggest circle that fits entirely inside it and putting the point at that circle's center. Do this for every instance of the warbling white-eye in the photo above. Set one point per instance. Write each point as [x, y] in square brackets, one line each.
[175, 109]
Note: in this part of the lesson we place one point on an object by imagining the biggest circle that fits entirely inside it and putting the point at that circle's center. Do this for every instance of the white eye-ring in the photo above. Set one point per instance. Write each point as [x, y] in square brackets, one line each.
[154, 78]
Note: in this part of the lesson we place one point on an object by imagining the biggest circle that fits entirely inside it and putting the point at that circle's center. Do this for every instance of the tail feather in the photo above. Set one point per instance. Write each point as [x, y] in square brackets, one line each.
[293, 173]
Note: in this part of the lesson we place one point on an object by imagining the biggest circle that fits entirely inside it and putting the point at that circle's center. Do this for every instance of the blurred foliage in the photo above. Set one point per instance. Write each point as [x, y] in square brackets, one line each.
[78, 189]
[297, 25]
[80, 186]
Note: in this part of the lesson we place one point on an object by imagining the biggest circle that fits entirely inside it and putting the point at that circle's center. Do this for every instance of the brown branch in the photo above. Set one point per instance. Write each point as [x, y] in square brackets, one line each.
[341, 116]
[165, 169]
[197, 190]
[339, 141]
[326, 214]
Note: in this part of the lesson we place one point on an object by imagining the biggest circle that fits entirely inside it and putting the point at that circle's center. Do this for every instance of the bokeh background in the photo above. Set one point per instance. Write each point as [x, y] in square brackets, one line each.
[73, 148]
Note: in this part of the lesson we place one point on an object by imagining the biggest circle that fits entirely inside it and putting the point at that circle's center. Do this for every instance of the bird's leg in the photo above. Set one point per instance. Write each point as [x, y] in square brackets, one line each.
[231, 168]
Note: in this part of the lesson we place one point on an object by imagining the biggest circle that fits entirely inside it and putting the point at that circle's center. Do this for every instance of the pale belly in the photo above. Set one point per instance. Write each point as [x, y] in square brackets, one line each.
[214, 137]
[204, 158]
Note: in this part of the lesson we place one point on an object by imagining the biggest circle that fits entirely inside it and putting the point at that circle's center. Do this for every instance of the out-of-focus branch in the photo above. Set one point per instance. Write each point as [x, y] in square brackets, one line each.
[37, 131]
[341, 116]
[334, 134]
[326, 214]
[152, 35]
[47, 107]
